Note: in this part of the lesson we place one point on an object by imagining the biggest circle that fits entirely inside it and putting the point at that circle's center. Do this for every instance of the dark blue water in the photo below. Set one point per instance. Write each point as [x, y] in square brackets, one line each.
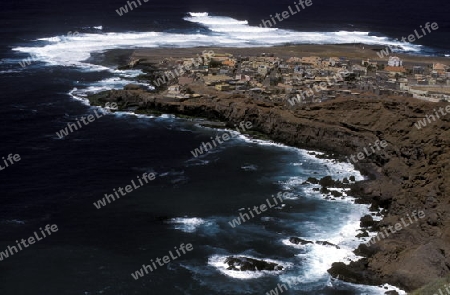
[191, 200]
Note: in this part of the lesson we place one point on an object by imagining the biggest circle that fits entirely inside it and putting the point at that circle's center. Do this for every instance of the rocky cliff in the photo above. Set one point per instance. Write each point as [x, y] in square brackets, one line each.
[408, 175]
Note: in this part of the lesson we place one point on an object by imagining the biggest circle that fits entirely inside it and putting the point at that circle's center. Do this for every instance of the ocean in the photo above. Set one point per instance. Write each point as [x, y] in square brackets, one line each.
[61, 46]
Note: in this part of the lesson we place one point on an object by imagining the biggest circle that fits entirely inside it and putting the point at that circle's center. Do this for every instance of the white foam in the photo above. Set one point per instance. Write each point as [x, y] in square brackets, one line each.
[128, 73]
[9, 72]
[268, 219]
[196, 162]
[198, 14]
[74, 50]
[342, 169]
[249, 167]
[14, 221]
[80, 96]
[368, 290]
[187, 225]
[168, 116]
[122, 114]
[335, 168]
[317, 259]
[104, 85]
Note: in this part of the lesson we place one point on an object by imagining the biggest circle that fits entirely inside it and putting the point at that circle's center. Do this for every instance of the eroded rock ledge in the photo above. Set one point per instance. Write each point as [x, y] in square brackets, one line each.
[410, 174]
[250, 264]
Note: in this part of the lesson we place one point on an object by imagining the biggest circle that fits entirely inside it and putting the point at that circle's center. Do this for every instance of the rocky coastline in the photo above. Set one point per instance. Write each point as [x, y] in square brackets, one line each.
[408, 175]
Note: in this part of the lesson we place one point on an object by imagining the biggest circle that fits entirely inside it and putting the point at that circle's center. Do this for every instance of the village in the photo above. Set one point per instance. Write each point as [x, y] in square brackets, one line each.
[296, 80]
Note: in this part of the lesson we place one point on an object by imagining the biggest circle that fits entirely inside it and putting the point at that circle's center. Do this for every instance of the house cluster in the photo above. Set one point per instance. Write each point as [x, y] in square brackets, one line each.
[428, 82]
[309, 79]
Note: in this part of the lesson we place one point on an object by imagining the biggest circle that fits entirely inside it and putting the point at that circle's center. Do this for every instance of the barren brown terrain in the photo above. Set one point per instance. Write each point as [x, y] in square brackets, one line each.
[410, 174]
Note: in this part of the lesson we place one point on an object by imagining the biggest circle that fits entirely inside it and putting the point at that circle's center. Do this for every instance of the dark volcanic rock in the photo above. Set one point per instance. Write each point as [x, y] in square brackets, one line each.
[411, 173]
[250, 264]
[367, 221]
[295, 240]
[356, 272]
[365, 251]
[363, 234]
[132, 87]
[324, 190]
[327, 181]
[325, 243]
[312, 180]
[336, 194]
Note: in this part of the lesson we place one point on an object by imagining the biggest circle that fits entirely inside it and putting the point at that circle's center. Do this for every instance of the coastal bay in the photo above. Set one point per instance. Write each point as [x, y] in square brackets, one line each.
[410, 174]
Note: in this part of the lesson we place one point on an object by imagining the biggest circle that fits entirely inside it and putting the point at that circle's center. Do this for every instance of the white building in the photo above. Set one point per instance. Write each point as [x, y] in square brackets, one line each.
[395, 61]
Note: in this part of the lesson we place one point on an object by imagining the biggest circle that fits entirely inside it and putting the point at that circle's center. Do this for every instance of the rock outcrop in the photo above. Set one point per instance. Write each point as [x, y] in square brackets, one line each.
[251, 264]
[299, 241]
[410, 174]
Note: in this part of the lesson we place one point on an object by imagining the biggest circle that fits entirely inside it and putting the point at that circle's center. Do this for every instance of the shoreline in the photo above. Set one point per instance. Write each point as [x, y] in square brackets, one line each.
[351, 51]
[398, 181]
[325, 158]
